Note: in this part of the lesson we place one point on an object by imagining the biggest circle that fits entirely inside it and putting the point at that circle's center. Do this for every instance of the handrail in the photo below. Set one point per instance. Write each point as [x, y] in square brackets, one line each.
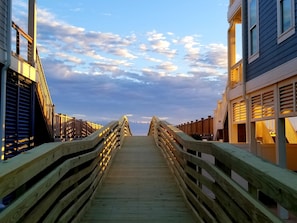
[44, 97]
[43, 92]
[57, 180]
[22, 34]
[211, 175]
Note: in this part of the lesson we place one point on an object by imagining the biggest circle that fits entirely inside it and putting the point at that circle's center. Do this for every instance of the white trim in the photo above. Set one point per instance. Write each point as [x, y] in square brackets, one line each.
[286, 35]
[279, 86]
[260, 93]
[235, 92]
[233, 9]
[282, 72]
[282, 36]
[255, 55]
[23, 68]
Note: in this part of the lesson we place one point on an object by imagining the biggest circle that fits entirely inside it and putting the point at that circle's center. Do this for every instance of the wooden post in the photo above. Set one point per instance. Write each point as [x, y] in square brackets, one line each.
[202, 126]
[253, 140]
[281, 157]
[32, 31]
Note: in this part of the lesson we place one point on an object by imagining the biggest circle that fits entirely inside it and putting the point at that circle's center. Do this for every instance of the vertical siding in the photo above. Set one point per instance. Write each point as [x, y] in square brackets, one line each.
[271, 54]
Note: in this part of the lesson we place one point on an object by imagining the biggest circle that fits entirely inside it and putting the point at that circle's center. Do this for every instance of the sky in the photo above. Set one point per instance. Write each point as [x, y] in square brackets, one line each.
[140, 58]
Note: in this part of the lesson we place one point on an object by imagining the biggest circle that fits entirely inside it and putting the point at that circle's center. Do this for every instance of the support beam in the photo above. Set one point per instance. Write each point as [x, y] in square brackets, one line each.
[32, 31]
[253, 140]
[281, 156]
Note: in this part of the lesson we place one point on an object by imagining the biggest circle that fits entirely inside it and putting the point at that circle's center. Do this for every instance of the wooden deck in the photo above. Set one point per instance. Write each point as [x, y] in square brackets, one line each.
[139, 188]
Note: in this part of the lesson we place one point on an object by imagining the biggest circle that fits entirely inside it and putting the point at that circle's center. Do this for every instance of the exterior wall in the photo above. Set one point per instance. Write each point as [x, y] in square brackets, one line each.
[19, 118]
[271, 54]
[3, 27]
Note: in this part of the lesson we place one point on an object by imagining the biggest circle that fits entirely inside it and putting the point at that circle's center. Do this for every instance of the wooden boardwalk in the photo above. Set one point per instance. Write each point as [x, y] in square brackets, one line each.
[139, 188]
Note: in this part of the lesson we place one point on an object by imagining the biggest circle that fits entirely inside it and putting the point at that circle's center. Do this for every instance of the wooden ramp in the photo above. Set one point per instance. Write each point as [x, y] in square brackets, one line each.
[139, 188]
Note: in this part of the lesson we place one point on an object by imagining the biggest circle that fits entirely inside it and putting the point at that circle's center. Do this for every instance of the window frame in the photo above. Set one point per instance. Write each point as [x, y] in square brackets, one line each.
[283, 35]
[253, 27]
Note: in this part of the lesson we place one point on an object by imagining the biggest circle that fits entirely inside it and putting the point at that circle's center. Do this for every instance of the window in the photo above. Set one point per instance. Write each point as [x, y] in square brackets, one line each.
[253, 30]
[239, 111]
[286, 15]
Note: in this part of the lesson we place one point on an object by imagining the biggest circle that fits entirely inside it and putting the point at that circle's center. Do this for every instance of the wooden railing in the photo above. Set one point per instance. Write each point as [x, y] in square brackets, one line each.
[23, 50]
[67, 128]
[23, 44]
[56, 181]
[221, 182]
[44, 97]
[199, 129]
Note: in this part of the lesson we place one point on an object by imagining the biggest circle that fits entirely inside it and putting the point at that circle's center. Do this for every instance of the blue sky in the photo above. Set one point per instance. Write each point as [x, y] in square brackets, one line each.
[104, 59]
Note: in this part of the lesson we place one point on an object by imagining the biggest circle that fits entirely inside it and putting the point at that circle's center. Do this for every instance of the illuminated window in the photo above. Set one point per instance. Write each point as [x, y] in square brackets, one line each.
[239, 112]
[253, 30]
[286, 15]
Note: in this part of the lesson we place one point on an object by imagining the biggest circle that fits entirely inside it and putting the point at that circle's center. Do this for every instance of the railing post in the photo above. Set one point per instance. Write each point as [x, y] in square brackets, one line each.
[202, 127]
[17, 42]
[199, 170]
[281, 157]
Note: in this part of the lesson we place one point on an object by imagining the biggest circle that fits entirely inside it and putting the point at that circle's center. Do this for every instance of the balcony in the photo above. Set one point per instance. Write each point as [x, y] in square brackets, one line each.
[234, 12]
[22, 58]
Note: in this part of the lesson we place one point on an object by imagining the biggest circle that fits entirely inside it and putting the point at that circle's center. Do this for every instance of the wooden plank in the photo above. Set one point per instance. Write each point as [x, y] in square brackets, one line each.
[254, 208]
[38, 211]
[34, 194]
[220, 214]
[17, 171]
[279, 184]
[139, 187]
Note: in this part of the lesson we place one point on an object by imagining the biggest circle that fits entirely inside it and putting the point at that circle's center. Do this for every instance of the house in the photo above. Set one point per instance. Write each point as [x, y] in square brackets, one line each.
[27, 114]
[25, 100]
[259, 105]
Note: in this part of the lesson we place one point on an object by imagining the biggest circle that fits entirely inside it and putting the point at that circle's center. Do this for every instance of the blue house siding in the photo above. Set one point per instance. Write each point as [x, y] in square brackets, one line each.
[271, 54]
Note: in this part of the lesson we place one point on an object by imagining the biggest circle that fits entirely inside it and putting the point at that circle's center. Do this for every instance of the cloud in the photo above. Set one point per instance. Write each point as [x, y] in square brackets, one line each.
[192, 48]
[159, 44]
[167, 66]
[104, 75]
[216, 55]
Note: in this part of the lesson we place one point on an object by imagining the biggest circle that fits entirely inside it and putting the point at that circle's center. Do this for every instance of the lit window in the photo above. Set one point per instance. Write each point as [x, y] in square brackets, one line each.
[286, 15]
[253, 29]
